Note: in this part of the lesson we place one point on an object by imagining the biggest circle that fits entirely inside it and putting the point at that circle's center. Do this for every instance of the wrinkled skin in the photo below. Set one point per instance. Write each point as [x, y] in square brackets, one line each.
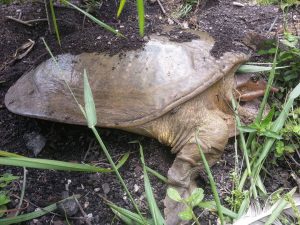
[174, 92]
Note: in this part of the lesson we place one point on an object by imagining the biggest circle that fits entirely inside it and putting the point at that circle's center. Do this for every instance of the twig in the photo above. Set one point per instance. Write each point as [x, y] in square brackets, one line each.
[87, 220]
[27, 22]
[273, 24]
[162, 7]
[294, 160]
[19, 21]
[203, 4]
[166, 14]
[91, 146]
[23, 191]
[296, 178]
[36, 20]
[17, 55]
[16, 209]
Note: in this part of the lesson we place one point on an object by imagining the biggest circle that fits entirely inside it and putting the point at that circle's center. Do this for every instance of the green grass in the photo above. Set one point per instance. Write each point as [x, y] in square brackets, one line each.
[185, 9]
[140, 12]
[269, 136]
[29, 216]
[269, 2]
[6, 1]
[5, 180]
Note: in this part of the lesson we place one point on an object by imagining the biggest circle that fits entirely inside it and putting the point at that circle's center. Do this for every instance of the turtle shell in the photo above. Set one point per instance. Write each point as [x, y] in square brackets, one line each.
[129, 88]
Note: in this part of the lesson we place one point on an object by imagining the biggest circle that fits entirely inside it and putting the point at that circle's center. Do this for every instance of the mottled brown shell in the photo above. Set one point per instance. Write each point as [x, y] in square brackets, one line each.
[129, 88]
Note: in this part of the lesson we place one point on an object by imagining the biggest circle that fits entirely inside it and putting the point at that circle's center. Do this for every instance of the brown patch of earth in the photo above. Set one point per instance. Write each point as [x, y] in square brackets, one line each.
[224, 21]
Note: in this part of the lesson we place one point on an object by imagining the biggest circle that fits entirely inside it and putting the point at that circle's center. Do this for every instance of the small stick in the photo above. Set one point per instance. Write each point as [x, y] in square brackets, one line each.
[91, 146]
[166, 14]
[19, 21]
[36, 20]
[49, 16]
[26, 23]
[162, 7]
[272, 25]
[22, 191]
[16, 209]
[87, 220]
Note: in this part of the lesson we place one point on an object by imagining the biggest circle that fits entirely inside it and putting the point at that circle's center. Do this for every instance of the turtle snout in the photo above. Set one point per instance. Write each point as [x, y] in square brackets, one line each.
[250, 87]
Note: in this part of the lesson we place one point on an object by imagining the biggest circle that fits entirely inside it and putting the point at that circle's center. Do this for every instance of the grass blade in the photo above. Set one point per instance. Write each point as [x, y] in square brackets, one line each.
[9, 154]
[266, 96]
[211, 205]
[125, 219]
[277, 125]
[255, 69]
[156, 214]
[32, 215]
[212, 183]
[141, 14]
[121, 6]
[90, 109]
[158, 175]
[126, 213]
[280, 207]
[56, 165]
[54, 22]
[103, 147]
[100, 23]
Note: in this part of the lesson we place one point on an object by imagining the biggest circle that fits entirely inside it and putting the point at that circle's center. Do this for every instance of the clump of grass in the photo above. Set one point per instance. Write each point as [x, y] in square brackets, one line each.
[37, 213]
[5, 180]
[5, 1]
[286, 79]
[265, 138]
[140, 12]
[185, 9]
[129, 217]
[269, 2]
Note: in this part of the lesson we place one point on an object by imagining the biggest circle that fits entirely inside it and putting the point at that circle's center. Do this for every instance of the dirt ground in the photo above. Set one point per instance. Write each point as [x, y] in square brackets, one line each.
[224, 21]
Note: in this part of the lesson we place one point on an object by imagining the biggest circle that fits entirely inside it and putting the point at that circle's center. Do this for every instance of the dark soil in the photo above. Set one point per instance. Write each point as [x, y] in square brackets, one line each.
[225, 22]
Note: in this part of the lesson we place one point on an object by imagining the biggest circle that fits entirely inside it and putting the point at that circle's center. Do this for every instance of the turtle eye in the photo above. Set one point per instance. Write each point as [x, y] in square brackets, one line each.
[254, 78]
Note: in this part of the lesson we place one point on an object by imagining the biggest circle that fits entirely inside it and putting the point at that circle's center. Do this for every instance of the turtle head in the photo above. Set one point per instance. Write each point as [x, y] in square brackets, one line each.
[248, 89]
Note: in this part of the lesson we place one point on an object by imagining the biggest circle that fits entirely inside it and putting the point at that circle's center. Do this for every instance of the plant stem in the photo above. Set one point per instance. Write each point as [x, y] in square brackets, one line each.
[195, 218]
[49, 18]
[265, 98]
[113, 165]
[212, 182]
[192, 212]
[243, 146]
[22, 191]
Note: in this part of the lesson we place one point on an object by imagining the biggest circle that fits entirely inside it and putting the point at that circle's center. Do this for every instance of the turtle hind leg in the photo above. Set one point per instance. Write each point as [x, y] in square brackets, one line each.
[187, 165]
[182, 176]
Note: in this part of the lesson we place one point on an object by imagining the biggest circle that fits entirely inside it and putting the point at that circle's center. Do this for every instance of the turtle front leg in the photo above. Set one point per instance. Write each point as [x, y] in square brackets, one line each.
[185, 169]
